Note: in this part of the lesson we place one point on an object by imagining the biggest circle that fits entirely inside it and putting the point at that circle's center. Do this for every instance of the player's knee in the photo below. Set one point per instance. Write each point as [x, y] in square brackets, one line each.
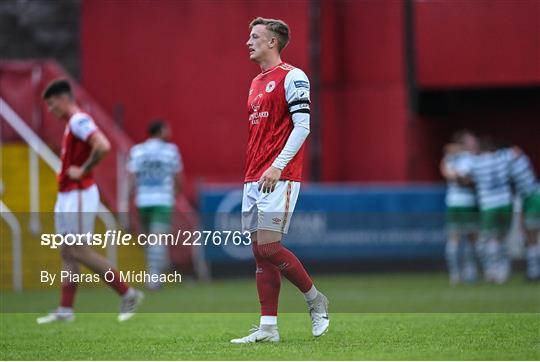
[66, 253]
[255, 250]
[268, 249]
[78, 252]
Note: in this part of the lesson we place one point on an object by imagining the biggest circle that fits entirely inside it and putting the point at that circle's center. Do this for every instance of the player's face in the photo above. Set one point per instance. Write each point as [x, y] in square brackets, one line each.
[471, 143]
[166, 133]
[58, 105]
[258, 43]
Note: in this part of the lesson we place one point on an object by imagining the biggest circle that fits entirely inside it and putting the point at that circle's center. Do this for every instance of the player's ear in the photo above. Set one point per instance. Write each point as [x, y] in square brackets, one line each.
[272, 43]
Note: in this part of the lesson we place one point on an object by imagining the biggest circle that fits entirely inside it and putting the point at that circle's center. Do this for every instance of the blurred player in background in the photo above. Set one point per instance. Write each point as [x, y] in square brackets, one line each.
[461, 209]
[490, 172]
[279, 116]
[528, 189]
[156, 167]
[83, 147]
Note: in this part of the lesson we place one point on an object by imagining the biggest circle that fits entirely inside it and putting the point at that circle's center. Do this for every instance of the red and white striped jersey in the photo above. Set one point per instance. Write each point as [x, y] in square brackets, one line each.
[274, 96]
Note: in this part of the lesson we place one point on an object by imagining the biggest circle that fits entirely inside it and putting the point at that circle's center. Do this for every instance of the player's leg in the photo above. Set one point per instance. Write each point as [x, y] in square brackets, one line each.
[470, 271]
[532, 254]
[156, 220]
[453, 237]
[504, 223]
[275, 211]
[267, 276]
[87, 256]
[469, 227]
[452, 256]
[531, 223]
[64, 312]
[65, 221]
[489, 244]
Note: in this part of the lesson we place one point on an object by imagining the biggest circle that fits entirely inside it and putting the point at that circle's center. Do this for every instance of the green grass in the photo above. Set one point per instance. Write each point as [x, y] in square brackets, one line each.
[396, 317]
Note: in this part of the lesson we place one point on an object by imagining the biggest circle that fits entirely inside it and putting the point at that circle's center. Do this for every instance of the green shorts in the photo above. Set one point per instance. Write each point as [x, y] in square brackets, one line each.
[462, 218]
[531, 210]
[497, 219]
[155, 219]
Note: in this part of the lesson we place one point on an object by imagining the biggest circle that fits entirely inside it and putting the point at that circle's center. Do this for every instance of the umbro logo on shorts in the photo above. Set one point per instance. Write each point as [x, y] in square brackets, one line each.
[276, 220]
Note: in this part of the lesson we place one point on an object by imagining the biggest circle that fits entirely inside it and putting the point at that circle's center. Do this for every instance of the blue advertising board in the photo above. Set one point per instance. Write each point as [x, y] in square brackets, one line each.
[336, 222]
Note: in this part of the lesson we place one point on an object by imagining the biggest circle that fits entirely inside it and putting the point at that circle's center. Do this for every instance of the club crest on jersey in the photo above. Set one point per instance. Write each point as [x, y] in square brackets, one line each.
[270, 86]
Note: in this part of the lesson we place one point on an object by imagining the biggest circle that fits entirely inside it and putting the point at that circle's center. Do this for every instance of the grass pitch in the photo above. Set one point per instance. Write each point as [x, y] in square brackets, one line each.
[397, 317]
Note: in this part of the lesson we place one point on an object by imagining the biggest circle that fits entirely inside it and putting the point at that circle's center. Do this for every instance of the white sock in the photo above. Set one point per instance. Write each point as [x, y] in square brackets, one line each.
[129, 293]
[311, 294]
[269, 320]
[64, 310]
[533, 265]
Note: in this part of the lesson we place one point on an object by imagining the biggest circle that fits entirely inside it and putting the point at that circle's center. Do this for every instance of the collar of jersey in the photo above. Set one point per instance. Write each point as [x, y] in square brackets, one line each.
[271, 69]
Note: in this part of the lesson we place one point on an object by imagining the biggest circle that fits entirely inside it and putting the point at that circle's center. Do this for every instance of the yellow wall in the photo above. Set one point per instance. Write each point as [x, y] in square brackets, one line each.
[15, 177]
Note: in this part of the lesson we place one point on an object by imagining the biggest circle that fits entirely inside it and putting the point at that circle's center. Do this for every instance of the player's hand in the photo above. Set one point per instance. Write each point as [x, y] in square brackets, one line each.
[75, 172]
[269, 179]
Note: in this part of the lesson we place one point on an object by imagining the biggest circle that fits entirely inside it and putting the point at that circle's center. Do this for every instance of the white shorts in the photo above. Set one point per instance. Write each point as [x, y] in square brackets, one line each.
[75, 211]
[269, 211]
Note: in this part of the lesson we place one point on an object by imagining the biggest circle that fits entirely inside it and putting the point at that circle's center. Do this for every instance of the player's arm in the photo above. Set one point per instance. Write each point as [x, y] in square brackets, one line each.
[178, 167]
[297, 95]
[447, 172]
[461, 176]
[178, 183]
[99, 147]
[86, 130]
[131, 169]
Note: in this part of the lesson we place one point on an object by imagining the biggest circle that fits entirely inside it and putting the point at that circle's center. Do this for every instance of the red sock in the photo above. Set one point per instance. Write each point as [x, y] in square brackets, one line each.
[268, 280]
[67, 295]
[118, 285]
[287, 263]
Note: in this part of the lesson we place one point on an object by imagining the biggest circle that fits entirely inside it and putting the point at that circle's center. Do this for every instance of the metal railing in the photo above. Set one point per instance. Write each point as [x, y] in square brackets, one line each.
[38, 147]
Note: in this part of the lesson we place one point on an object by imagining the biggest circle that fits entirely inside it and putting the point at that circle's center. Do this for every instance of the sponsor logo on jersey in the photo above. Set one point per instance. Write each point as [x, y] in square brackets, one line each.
[301, 84]
[255, 117]
[302, 94]
[270, 86]
[256, 102]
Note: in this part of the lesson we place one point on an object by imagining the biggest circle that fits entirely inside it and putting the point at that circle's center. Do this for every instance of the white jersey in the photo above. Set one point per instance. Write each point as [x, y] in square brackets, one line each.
[523, 175]
[458, 195]
[491, 174]
[155, 164]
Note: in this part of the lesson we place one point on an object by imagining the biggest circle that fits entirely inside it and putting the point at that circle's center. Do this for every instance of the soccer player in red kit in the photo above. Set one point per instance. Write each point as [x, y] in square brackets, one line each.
[279, 111]
[83, 147]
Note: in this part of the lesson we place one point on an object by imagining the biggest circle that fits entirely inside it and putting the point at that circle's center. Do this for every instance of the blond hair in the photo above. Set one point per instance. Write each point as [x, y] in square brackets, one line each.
[278, 27]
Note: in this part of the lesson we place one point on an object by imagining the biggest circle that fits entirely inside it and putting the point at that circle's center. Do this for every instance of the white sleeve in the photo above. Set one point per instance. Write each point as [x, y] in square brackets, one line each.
[464, 165]
[131, 165]
[297, 95]
[82, 126]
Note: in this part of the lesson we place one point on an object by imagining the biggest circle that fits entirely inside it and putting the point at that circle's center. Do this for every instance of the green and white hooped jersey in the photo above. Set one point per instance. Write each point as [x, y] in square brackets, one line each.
[458, 195]
[155, 164]
[523, 176]
[490, 172]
